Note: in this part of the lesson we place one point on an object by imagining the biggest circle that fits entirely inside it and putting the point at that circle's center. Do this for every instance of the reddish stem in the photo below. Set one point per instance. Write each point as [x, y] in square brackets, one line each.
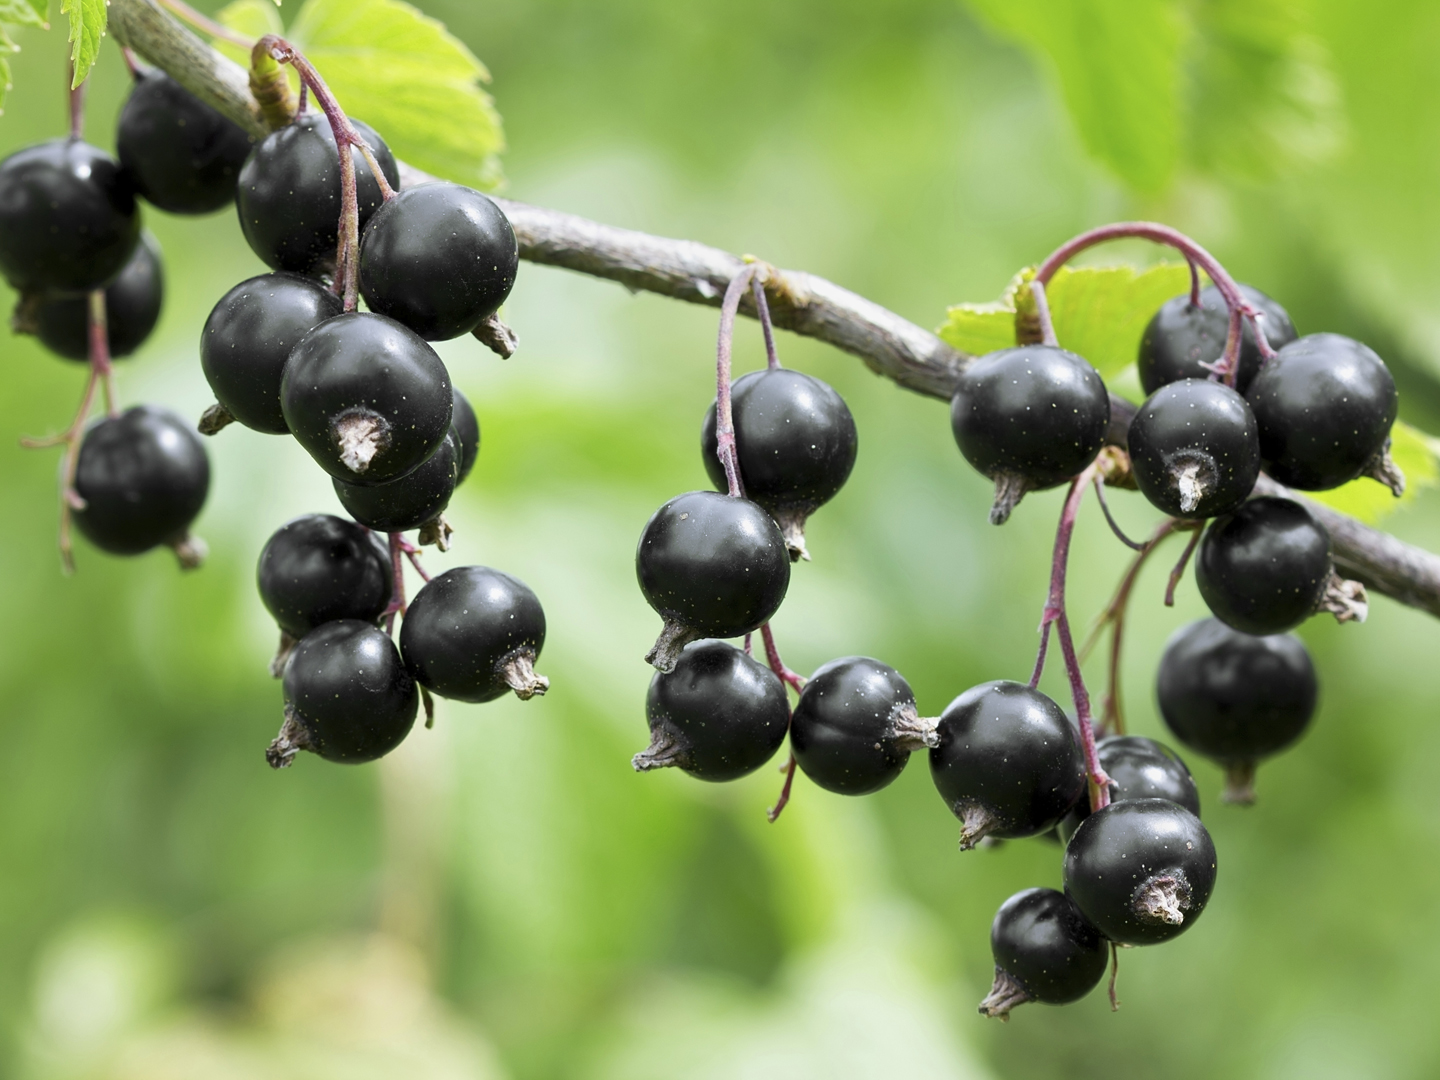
[762, 310]
[1042, 313]
[792, 679]
[77, 106]
[1194, 282]
[1179, 571]
[397, 569]
[773, 814]
[724, 413]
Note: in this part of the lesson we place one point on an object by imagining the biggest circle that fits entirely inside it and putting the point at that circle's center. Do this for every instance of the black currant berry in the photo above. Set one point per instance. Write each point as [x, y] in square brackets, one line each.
[711, 566]
[474, 633]
[719, 715]
[184, 155]
[1236, 698]
[1045, 950]
[1182, 338]
[1266, 568]
[1325, 405]
[61, 320]
[438, 258]
[1008, 763]
[143, 476]
[1194, 449]
[68, 218]
[366, 397]
[1141, 768]
[855, 726]
[1141, 870]
[465, 427]
[348, 697]
[796, 443]
[1029, 418]
[248, 338]
[288, 194]
[320, 568]
[417, 498]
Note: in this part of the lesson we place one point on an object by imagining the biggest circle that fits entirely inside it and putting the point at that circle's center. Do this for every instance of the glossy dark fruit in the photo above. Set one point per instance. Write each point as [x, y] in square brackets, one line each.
[796, 443]
[719, 715]
[1141, 769]
[473, 633]
[1045, 950]
[288, 194]
[856, 725]
[1181, 339]
[1236, 698]
[439, 258]
[465, 426]
[68, 217]
[1008, 763]
[1264, 569]
[132, 308]
[143, 476]
[320, 568]
[348, 697]
[184, 155]
[711, 566]
[367, 398]
[1029, 418]
[248, 338]
[1324, 406]
[418, 497]
[1195, 449]
[1141, 870]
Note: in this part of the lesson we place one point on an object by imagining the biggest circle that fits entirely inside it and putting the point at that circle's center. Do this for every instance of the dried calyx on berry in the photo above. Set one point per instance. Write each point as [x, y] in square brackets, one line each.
[1195, 449]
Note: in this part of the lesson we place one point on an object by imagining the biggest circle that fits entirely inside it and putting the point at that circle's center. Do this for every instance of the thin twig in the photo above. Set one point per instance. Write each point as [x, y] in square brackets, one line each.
[1110, 520]
[1179, 571]
[773, 814]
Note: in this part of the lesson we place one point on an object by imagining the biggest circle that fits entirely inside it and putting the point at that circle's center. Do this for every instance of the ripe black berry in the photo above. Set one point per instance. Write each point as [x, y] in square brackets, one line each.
[1194, 449]
[711, 566]
[796, 442]
[288, 195]
[61, 320]
[366, 397]
[248, 338]
[418, 497]
[465, 426]
[184, 155]
[1325, 404]
[439, 258]
[348, 697]
[1045, 950]
[1008, 763]
[68, 218]
[1140, 870]
[143, 476]
[1141, 768]
[320, 568]
[856, 725]
[473, 633]
[1029, 418]
[1181, 338]
[718, 715]
[1236, 698]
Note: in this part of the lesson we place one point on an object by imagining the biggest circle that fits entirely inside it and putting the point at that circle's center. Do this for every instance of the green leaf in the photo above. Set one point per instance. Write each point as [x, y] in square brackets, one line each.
[981, 328]
[253, 18]
[25, 13]
[87, 27]
[6, 45]
[1417, 455]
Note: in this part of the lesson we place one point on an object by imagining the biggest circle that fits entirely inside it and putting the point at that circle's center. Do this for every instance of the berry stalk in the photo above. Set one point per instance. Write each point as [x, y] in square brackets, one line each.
[797, 683]
[724, 411]
[397, 569]
[762, 311]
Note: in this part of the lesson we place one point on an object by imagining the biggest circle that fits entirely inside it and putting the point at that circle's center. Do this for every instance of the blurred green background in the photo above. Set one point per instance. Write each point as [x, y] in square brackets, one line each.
[504, 896]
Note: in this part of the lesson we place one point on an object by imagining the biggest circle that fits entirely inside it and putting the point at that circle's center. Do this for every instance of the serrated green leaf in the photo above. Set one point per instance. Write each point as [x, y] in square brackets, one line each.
[981, 328]
[1417, 455]
[87, 27]
[253, 18]
[24, 13]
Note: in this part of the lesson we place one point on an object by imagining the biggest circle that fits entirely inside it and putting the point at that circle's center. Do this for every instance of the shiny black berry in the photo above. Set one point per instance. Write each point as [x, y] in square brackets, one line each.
[473, 633]
[1194, 449]
[1008, 763]
[143, 476]
[61, 320]
[1182, 338]
[439, 258]
[1325, 405]
[417, 498]
[855, 726]
[288, 194]
[248, 338]
[1141, 768]
[348, 697]
[68, 217]
[366, 397]
[1045, 950]
[1140, 870]
[184, 155]
[711, 566]
[718, 715]
[320, 568]
[796, 442]
[1029, 418]
[1236, 698]
[465, 427]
